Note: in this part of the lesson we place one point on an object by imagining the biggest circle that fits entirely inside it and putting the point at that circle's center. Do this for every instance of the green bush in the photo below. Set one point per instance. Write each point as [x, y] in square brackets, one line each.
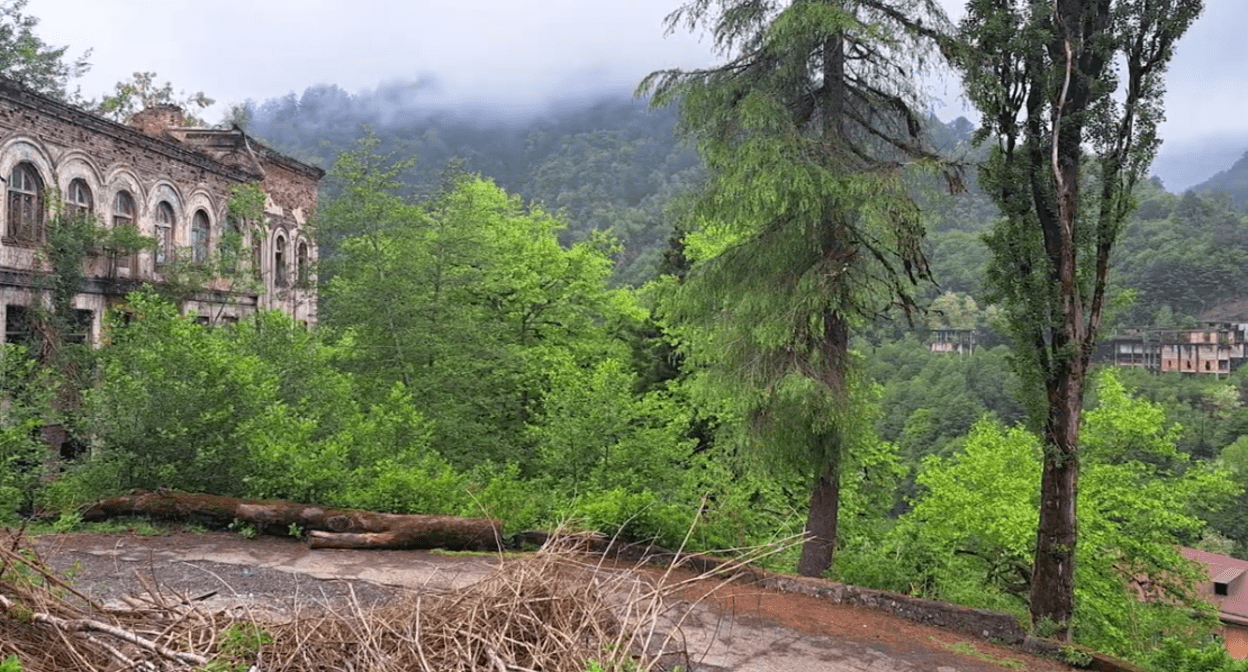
[501, 494]
[25, 406]
[96, 477]
[1173, 655]
[426, 484]
[633, 516]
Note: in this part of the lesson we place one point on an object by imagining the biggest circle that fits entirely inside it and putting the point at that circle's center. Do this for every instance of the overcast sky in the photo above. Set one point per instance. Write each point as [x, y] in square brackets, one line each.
[517, 53]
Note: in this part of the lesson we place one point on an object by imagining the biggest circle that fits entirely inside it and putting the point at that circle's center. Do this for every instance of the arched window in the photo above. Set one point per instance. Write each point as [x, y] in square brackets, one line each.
[303, 273]
[279, 262]
[123, 216]
[199, 237]
[78, 198]
[164, 233]
[230, 247]
[25, 212]
[123, 209]
[256, 256]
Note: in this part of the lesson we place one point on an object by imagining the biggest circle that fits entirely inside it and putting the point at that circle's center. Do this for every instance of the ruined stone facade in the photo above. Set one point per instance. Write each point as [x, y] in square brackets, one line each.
[171, 183]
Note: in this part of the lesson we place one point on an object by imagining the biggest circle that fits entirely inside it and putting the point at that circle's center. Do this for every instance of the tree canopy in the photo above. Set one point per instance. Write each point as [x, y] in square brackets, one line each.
[28, 59]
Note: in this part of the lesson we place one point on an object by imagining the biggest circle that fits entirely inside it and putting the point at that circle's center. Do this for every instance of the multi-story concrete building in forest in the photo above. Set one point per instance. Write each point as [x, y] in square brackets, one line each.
[170, 183]
[1212, 349]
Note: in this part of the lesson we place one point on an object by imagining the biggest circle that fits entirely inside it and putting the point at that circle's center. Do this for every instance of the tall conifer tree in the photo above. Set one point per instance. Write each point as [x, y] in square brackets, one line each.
[1071, 94]
[803, 224]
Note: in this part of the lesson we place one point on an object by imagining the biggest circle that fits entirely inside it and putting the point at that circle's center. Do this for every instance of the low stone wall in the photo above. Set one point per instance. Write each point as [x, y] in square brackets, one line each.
[989, 625]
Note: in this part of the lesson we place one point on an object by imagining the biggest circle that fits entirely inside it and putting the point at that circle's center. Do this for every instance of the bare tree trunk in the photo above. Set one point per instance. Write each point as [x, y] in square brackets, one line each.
[327, 527]
[823, 517]
[1053, 574]
[821, 524]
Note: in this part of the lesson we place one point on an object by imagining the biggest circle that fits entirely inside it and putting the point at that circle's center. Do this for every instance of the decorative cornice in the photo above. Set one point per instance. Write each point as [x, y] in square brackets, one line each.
[16, 94]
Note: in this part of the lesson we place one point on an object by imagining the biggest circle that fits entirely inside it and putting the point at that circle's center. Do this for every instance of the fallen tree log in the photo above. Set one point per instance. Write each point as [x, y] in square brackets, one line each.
[327, 527]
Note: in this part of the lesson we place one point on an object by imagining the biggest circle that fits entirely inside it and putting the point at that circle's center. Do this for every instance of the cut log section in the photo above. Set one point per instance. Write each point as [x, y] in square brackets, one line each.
[327, 527]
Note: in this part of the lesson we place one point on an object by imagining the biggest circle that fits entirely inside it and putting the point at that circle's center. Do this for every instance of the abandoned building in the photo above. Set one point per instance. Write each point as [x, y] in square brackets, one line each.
[950, 340]
[1213, 349]
[171, 184]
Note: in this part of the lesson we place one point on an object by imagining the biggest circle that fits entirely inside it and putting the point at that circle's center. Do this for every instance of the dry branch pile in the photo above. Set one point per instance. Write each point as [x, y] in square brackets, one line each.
[50, 626]
[554, 611]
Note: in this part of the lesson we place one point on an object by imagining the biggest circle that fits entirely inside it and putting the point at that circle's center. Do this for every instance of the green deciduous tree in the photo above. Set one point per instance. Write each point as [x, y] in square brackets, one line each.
[979, 509]
[26, 58]
[256, 410]
[469, 298]
[142, 91]
[805, 226]
[1071, 94]
[171, 401]
[27, 391]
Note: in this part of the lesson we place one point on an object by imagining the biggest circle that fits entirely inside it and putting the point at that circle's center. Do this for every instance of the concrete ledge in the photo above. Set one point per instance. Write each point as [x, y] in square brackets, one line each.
[988, 625]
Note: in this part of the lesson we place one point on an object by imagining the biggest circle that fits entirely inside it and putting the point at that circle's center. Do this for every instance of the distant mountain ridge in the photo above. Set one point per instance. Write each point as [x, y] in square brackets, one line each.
[1232, 182]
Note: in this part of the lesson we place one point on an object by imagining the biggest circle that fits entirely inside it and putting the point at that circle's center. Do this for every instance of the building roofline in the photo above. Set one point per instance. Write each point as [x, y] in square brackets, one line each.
[16, 93]
[268, 153]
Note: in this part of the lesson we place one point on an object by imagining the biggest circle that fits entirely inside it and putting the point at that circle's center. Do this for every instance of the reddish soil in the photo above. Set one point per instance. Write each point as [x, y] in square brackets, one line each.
[924, 646]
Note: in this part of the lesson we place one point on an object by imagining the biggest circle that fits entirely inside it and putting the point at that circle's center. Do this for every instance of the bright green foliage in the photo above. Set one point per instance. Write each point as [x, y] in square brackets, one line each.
[26, 58]
[595, 433]
[515, 350]
[469, 299]
[171, 402]
[257, 410]
[26, 408]
[1137, 504]
[616, 454]
[1176, 655]
[996, 466]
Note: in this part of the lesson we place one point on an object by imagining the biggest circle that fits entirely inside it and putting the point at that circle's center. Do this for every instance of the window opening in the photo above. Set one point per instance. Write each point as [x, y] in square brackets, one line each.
[199, 237]
[17, 325]
[256, 255]
[25, 212]
[80, 329]
[78, 200]
[279, 261]
[302, 272]
[123, 215]
[164, 233]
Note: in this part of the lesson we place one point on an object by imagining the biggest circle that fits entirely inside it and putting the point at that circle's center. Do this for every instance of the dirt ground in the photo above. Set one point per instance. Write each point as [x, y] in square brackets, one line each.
[735, 627]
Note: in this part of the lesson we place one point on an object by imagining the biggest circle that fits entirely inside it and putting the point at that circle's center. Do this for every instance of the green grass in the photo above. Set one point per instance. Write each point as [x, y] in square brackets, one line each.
[968, 649]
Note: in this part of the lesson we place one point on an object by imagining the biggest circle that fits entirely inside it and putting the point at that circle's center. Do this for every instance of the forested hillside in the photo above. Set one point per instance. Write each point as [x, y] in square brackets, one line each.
[1231, 183]
[609, 165]
[615, 166]
[572, 318]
